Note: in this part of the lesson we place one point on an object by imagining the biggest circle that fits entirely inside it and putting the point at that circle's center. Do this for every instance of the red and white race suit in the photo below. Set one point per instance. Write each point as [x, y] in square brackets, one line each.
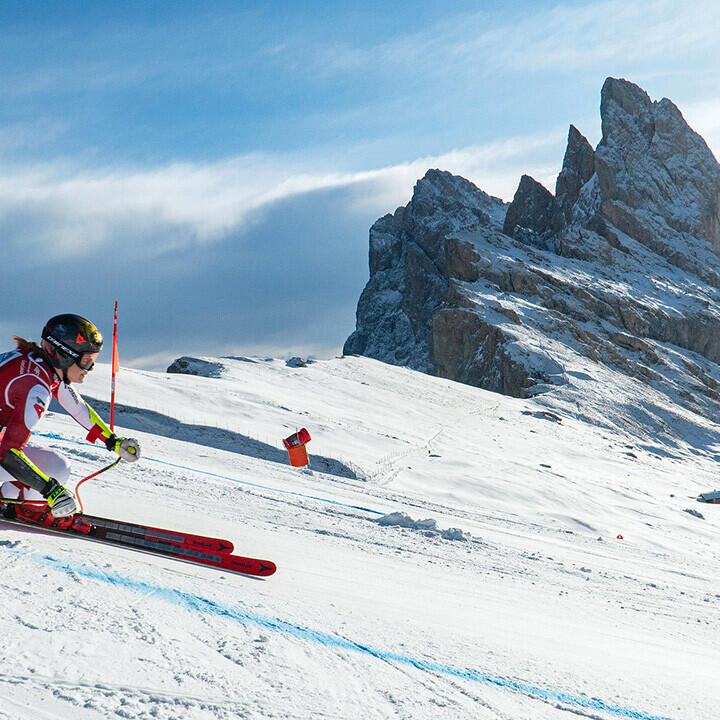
[27, 384]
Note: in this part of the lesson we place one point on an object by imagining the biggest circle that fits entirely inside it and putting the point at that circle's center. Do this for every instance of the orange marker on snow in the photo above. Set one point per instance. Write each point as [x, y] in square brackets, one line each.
[295, 445]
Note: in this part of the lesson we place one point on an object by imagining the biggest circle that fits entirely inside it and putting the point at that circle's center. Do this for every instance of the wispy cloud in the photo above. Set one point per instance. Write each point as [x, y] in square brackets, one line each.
[85, 207]
[704, 118]
[212, 258]
[566, 37]
[615, 32]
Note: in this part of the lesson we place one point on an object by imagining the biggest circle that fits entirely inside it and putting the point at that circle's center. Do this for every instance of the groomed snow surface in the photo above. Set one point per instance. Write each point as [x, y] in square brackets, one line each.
[497, 589]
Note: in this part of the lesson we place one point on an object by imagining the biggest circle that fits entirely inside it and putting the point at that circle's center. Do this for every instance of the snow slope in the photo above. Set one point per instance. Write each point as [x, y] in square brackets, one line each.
[536, 611]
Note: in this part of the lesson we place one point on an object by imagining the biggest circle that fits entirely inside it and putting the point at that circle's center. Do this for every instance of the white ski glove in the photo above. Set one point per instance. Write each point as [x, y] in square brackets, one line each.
[127, 448]
[61, 501]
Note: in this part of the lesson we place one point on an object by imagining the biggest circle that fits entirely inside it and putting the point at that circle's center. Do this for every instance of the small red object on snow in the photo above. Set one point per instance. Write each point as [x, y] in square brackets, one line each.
[295, 445]
[619, 537]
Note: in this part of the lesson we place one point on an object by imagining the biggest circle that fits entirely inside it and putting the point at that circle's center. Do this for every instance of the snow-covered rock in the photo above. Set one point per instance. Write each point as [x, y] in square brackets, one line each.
[195, 366]
[427, 526]
[617, 275]
[411, 266]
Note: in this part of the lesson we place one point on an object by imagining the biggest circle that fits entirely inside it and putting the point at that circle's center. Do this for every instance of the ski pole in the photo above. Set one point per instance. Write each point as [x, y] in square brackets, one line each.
[12, 501]
[90, 477]
[115, 368]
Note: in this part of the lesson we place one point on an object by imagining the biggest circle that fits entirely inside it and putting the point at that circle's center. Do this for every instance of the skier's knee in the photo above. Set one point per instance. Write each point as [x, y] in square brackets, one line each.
[52, 464]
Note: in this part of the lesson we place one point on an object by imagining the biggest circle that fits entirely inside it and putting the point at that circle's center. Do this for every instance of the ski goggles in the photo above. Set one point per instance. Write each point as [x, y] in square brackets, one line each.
[86, 362]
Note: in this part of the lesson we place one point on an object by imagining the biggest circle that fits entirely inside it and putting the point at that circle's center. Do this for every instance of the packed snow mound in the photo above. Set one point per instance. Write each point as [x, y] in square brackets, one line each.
[429, 527]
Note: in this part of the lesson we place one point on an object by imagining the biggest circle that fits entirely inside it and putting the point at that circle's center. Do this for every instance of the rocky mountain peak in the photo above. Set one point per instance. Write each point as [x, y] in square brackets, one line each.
[531, 208]
[616, 275]
[651, 162]
[410, 266]
[626, 112]
[443, 201]
[578, 167]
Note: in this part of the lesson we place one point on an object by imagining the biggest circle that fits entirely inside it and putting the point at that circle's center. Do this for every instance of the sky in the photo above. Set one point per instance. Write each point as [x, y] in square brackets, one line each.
[215, 167]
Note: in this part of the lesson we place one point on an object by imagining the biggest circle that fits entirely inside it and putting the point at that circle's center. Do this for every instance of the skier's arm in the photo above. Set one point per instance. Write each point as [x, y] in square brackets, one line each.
[126, 448]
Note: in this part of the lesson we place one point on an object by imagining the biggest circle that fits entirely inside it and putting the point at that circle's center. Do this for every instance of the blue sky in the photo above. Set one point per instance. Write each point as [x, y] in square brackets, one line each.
[216, 166]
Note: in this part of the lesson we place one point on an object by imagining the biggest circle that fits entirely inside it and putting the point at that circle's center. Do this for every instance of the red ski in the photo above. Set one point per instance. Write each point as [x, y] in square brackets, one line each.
[201, 543]
[211, 552]
[222, 561]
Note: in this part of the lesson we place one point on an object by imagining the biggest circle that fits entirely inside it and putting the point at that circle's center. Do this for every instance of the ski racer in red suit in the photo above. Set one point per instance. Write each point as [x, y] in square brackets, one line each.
[29, 376]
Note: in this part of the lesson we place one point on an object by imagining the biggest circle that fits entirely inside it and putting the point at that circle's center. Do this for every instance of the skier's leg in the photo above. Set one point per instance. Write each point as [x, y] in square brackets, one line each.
[52, 464]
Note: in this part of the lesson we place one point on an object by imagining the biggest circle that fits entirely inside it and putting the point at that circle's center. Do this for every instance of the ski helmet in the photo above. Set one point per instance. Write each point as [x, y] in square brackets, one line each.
[66, 338]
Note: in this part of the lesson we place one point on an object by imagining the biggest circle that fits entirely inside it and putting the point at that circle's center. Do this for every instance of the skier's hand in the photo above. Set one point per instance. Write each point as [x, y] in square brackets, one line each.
[61, 501]
[127, 448]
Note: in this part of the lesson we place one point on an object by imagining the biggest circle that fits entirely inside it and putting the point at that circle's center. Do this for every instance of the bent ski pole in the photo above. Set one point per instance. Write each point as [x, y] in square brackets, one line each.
[20, 501]
[90, 477]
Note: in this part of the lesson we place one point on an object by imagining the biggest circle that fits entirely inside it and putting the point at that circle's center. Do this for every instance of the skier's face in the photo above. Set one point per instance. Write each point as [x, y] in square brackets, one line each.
[76, 373]
[87, 361]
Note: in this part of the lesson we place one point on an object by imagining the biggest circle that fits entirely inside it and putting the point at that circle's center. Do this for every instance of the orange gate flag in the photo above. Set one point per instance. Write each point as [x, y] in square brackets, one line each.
[116, 359]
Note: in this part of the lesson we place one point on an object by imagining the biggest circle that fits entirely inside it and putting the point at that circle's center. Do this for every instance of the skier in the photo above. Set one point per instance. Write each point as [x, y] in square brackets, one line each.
[29, 376]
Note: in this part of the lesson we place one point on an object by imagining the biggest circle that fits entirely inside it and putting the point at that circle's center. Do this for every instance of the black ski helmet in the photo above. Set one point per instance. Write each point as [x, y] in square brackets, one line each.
[67, 337]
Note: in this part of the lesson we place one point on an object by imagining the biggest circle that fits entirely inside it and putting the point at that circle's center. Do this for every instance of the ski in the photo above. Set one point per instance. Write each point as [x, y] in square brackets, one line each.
[133, 536]
[193, 542]
[220, 560]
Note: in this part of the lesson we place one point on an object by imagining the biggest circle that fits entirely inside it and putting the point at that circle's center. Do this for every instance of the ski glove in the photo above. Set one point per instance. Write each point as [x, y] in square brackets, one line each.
[127, 448]
[61, 501]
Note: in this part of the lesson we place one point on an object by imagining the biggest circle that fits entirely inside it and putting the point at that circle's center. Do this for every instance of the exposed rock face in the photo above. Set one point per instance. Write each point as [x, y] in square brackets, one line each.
[195, 366]
[578, 167]
[658, 178]
[620, 268]
[410, 267]
[532, 208]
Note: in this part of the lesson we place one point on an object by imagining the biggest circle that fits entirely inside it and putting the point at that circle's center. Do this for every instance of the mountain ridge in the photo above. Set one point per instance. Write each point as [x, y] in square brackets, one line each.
[617, 272]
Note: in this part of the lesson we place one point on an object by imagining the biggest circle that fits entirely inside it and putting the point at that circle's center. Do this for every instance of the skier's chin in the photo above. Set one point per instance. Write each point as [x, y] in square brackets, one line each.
[77, 376]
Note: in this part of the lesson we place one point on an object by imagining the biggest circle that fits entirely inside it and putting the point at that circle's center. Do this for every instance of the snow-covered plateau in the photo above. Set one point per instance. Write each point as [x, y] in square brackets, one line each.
[531, 563]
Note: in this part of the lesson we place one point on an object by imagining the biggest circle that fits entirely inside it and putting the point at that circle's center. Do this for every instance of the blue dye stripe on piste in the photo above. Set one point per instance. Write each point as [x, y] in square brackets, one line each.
[55, 436]
[240, 615]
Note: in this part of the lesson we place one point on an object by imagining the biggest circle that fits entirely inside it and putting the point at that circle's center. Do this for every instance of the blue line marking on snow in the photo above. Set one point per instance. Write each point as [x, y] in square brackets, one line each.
[266, 487]
[238, 614]
[55, 436]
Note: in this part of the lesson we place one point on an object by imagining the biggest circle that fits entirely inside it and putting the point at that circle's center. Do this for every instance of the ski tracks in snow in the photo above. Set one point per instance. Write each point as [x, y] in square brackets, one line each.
[387, 469]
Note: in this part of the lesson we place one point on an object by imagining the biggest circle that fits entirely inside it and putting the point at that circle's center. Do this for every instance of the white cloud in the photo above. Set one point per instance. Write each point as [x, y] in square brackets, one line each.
[611, 33]
[704, 118]
[607, 34]
[201, 203]
[495, 168]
